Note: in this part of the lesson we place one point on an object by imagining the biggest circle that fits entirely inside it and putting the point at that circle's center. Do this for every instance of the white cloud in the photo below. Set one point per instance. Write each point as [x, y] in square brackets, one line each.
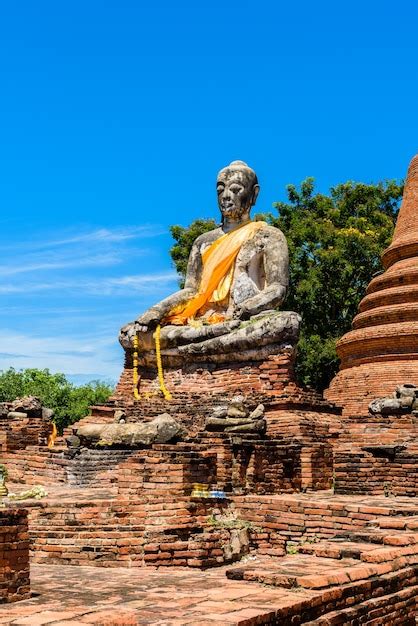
[149, 283]
[70, 355]
[65, 313]
[102, 260]
[116, 235]
[97, 236]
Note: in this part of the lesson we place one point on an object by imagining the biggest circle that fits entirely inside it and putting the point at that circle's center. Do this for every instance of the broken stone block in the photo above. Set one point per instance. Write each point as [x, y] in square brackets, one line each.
[404, 400]
[257, 413]
[252, 426]
[47, 414]
[17, 415]
[237, 407]
[162, 429]
[28, 404]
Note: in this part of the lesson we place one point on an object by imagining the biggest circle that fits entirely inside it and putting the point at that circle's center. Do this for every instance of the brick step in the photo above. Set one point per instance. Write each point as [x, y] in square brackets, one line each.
[314, 572]
[404, 523]
[379, 536]
[96, 531]
[337, 548]
[397, 608]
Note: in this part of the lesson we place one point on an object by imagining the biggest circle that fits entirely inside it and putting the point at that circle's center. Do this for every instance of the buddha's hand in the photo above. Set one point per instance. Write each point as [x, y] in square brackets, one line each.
[240, 313]
[148, 321]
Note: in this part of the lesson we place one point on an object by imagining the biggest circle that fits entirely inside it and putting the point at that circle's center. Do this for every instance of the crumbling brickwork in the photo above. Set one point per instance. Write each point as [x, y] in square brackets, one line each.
[14, 555]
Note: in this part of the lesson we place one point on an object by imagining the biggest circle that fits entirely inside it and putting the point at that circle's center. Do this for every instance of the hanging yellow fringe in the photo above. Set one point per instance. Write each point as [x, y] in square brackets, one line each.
[163, 388]
[52, 435]
[135, 375]
[137, 395]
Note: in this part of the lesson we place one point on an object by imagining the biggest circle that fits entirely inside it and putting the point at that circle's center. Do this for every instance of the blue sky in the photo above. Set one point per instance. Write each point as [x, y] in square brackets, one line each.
[116, 116]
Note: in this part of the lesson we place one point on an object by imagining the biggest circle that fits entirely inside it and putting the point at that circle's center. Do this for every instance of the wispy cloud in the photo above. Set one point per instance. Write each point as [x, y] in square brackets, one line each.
[102, 247]
[101, 260]
[64, 297]
[78, 355]
[99, 236]
[108, 235]
[102, 286]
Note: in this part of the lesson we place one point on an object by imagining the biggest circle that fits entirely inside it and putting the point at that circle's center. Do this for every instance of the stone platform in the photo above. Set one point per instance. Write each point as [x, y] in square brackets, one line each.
[331, 560]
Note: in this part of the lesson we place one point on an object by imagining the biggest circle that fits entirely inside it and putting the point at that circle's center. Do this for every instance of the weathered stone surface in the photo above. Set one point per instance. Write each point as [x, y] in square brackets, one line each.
[73, 441]
[234, 411]
[4, 409]
[403, 401]
[28, 404]
[220, 411]
[17, 415]
[119, 415]
[258, 412]
[407, 392]
[236, 417]
[47, 414]
[252, 426]
[162, 429]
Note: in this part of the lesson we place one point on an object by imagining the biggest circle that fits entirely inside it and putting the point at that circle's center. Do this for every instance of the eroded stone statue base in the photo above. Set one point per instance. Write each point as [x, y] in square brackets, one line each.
[231, 341]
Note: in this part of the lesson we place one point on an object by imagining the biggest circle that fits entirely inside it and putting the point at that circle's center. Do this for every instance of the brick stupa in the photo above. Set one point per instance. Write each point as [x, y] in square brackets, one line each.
[381, 351]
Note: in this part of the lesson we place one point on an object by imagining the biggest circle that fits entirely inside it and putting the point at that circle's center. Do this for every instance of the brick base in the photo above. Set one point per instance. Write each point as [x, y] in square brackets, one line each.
[14, 555]
[355, 387]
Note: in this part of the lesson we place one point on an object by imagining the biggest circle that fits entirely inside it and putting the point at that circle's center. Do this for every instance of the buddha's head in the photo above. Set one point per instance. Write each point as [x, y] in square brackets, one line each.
[237, 188]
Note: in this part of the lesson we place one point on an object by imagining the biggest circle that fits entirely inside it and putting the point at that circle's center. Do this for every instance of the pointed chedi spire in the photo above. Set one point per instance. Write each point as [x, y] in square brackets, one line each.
[405, 238]
[381, 351]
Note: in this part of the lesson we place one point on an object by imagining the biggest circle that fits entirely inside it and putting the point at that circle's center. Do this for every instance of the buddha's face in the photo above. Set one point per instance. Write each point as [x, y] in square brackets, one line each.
[236, 193]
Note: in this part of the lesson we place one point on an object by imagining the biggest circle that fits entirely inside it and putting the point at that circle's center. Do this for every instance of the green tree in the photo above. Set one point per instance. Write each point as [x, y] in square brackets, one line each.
[184, 238]
[69, 402]
[335, 243]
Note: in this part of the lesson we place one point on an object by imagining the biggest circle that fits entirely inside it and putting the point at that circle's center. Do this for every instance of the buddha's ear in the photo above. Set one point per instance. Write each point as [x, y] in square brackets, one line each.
[255, 193]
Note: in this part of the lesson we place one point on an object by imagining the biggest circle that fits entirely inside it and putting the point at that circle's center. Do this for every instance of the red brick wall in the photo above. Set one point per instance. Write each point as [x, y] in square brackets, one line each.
[209, 379]
[14, 555]
[360, 472]
[18, 433]
[354, 388]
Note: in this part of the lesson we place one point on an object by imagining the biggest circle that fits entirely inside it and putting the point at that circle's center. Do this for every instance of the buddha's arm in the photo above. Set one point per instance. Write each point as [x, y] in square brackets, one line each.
[276, 268]
[153, 316]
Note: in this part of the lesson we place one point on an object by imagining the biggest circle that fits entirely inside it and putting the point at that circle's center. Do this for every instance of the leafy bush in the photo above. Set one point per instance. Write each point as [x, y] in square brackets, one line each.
[69, 402]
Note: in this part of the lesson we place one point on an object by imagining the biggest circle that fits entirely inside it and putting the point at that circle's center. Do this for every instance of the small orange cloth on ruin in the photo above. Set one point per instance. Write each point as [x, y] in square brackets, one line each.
[217, 274]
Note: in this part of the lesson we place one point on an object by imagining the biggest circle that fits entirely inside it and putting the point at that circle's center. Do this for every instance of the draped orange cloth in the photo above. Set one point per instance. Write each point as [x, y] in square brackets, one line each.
[217, 275]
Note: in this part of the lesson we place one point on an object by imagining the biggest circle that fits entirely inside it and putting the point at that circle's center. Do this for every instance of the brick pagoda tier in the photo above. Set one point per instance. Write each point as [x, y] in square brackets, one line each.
[381, 351]
[379, 453]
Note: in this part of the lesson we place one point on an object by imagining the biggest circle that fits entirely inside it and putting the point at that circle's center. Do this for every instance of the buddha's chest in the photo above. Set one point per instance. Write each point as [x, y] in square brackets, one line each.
[248, 273]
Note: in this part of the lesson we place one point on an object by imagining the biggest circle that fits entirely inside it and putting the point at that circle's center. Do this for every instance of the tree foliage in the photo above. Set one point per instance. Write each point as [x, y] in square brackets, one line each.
[69, 402]
[335, 243]
[184, 238]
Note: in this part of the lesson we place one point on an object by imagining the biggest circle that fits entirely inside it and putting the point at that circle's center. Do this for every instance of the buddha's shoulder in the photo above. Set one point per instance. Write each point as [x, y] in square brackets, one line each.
[208, 237]
[269, 233]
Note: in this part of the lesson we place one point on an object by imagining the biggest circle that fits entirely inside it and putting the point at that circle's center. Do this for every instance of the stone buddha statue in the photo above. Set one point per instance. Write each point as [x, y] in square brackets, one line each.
[237, 277]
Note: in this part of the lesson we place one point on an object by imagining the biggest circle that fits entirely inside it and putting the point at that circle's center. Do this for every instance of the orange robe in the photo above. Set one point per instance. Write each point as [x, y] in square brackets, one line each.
[218, 271]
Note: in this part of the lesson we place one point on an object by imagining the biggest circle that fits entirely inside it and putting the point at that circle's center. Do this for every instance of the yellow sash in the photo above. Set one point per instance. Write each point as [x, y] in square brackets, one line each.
[217, 274]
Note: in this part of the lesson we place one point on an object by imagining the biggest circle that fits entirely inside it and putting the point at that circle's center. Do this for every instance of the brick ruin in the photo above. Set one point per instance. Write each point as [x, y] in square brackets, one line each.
[322, 502]
[14, 555]
[379, 354]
